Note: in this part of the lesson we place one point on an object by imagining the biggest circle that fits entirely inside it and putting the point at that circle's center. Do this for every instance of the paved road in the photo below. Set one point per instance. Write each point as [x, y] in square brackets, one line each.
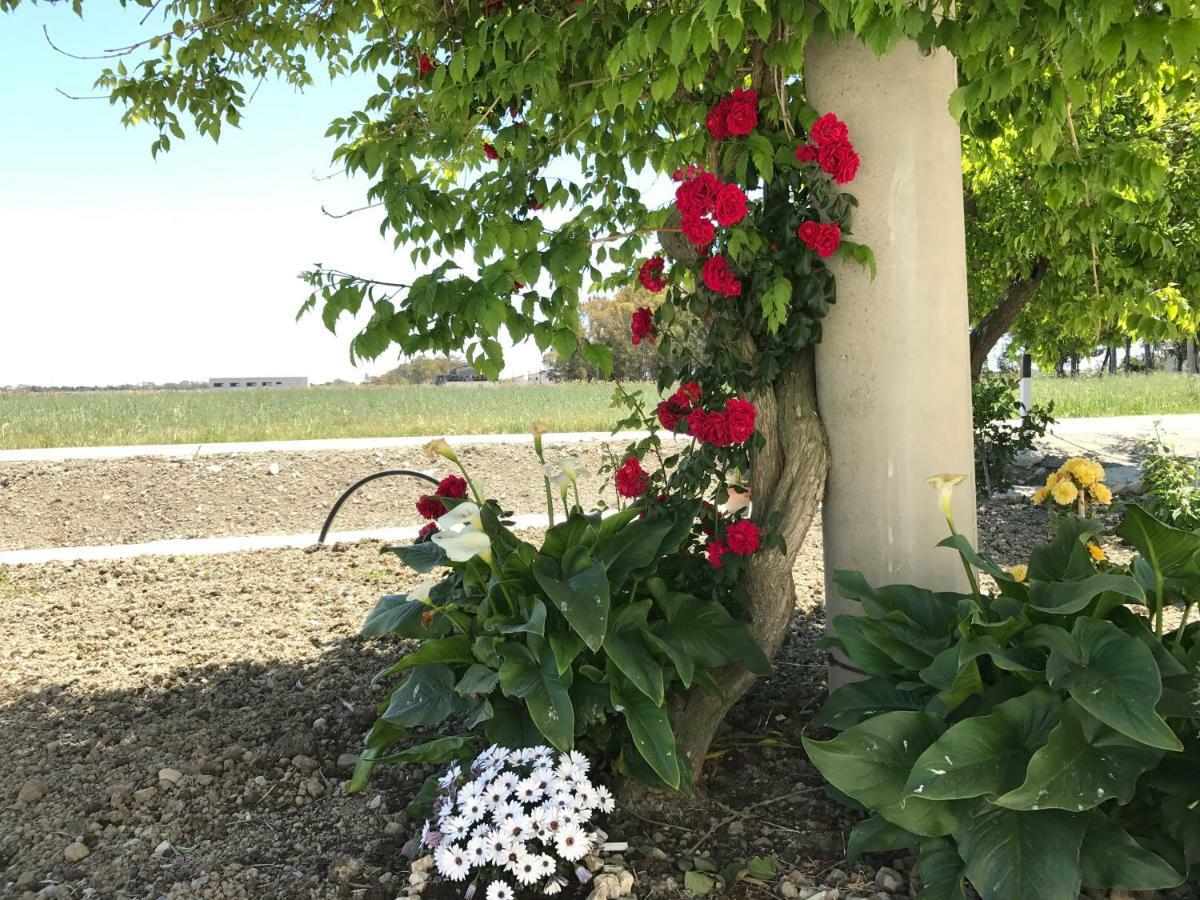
[1117, 439]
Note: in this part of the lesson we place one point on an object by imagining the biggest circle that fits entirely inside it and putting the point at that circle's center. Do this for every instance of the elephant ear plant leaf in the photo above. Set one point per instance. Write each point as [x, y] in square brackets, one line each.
[1051, 744]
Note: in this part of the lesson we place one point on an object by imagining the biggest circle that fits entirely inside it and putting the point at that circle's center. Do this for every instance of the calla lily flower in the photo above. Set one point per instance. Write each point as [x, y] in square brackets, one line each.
[568, 466]
[421, 591]
[561, 481]
[464, 545]
[439, 447]
[945, 483]
[466, 513]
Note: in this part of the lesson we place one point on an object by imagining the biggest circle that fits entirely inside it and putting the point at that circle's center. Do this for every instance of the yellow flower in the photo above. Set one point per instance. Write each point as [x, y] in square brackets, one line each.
[945, 482]
[1096, 550]
[439, 447]
[1085, 471]
[1019, 573]
[1065, 492]
[1100, 493]
[1040, 495]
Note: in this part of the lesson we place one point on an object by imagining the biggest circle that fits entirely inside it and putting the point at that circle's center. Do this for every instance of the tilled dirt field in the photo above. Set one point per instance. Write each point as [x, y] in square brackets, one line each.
[127, 501]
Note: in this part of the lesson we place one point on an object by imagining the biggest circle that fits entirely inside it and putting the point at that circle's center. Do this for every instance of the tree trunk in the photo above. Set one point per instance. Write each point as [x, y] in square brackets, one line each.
[1128, 354]
[1074, 363]
[787, 477]
[996, 323]
[1148, 353]
[1190, 364]
[1112, 359]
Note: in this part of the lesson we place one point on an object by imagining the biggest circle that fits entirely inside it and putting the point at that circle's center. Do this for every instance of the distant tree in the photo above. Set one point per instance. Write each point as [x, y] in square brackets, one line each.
[421, 369]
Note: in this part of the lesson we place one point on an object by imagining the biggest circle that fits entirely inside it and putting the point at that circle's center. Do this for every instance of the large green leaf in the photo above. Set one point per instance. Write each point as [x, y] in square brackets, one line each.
[861, 649]
[902, 640]
[583, 598]
[395, 614]
[511, 726]
[1170, 551]
[1083, 764]
[478, 679]
[876, 835]
[1115, 678]
[1010, 659]
[1067, 597]
[941, 869]
[1014, 855]
[701, 633]
[985, 754]
[955, 680]
[578, 530]
[1066, 557]
[456, 649]
[858, 700]
[633, 547]
[934, 613]
[536, 681]
[628, 649]
[650, 726]
[421, 558]
[1111, 860]
[426, 697]
[870, 763]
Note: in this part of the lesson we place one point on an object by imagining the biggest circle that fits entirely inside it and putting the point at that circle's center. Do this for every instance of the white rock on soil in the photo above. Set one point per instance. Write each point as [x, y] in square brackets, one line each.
[32, 791]
[76, 852]
[170, 776]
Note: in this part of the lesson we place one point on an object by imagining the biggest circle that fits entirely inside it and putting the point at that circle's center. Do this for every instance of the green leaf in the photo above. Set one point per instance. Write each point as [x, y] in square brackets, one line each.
[583, 598]
[1113, 861]
[426, 697]
[1083, 764]
[1115, 678]
[396, 615]
[702, 633]
[985, 754]
[1013, 855]
[941, 869]
[858, 700]
[1067, 597]
[439, 750]
[627, 648]
[633, 547]
[421, 558]
[697, 883]
[536, 681]
[1066, 557]
[650, 726]
[455, 649]
[1170, 551]
[381, 736]
[877, 835]
[477, 680]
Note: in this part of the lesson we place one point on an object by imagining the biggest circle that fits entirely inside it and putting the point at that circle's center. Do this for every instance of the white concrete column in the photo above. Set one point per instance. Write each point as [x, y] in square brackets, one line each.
[893, 378]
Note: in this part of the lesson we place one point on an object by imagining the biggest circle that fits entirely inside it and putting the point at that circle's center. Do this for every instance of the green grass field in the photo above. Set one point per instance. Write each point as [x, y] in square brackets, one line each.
[192, 417]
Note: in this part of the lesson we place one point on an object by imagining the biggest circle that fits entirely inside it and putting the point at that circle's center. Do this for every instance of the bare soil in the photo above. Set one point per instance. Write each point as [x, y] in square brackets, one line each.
[129, 501]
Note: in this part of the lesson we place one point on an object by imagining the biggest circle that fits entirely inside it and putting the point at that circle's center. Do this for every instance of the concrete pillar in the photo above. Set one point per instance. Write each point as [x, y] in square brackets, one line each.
[893, 378]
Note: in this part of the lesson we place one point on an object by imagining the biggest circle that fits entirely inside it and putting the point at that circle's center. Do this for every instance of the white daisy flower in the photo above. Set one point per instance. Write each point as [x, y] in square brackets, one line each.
[518, 829]
[450, 777]
[530, 790]
[545, 863]
[499, 890]
[579, 762]
[553, 886]
[513, 854]
[451, 862]
[507, 811]
[509, 780]
[456, 828]
[572, 843]
[497, 847]
[526, 869]
[604, 799]
[472, 809]
[477, 852]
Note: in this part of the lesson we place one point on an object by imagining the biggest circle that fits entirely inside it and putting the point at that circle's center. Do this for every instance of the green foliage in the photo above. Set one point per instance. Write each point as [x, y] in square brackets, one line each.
[1172, 484]
[578, 643]
[1036, 755]
[998, 440]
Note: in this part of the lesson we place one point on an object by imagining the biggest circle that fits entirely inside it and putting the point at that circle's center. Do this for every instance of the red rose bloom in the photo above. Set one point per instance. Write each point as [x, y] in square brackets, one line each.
[719, 277]
[698, 230]
[690, 392]
[742, 537]
[739, 419]
[430, 507]
[806, 153]
[743, 113]
[631, 480]
[710, 428]
[716, 550]
[490, 152]
[651, 274]
[697, 195]
[428, 530]
[669, 414]
[829, 129]
[822, 239]
[425, 65]
[730, 205]
[453, 487]
[715, 120]
[641, 325]
[839, 160]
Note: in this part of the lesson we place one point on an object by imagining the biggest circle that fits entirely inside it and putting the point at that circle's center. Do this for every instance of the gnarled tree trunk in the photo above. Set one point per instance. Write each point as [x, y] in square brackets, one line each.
[788, 477]
[995, 324]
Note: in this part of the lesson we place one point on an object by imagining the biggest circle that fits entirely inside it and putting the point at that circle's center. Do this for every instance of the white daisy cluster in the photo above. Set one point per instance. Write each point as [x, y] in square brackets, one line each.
[516, 814]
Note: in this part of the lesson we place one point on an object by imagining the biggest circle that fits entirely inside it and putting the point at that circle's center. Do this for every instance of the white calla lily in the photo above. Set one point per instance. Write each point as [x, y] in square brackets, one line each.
[421, 591]
[466, 513]
[568, 466]
[464, 545]
[562, 482]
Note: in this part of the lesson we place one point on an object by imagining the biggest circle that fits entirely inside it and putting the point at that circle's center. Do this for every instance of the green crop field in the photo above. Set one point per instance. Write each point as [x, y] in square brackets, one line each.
[187, 417]
[190, 417]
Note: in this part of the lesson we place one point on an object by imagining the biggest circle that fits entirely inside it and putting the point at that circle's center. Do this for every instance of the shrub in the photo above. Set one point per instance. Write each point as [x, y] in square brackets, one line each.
[1032, 740]
[1172, 484]
[997, 440]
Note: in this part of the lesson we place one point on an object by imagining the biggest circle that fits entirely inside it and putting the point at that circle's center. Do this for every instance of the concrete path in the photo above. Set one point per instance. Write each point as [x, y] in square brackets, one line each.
[1117, 439]
[211, 546]
[190, 451]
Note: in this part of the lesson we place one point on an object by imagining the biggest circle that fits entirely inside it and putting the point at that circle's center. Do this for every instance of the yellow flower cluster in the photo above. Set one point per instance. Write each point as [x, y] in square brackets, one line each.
[1077, 482]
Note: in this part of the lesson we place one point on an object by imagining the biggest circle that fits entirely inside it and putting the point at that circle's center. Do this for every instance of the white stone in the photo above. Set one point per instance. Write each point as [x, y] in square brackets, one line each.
[76, 851]
[170, 776]
[1027, 459]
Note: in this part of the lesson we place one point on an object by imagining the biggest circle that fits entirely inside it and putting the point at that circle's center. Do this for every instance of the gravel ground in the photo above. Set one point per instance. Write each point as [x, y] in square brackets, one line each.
[128, 501]
[182, 727]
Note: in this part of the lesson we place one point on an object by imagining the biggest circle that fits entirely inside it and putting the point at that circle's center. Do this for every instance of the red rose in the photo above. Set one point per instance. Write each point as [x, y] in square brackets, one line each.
[839, 160]
[669, 414]
[490, 152]
[630, 479]
[806, 153]
[829, 129]
[430, 507]
[742, 116]
[698, 194]
[696, 229]
[641, 325]
[452, 486]
[428, 530]
[491, 7]
[730, 205]
[534, 203]
[719, 277]
[715, 120]
[742, 537]
[425, 65]
[650, 275]
[716, 550]
[822, 239]
[739, 419]
[690, 392]
[710, 428]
